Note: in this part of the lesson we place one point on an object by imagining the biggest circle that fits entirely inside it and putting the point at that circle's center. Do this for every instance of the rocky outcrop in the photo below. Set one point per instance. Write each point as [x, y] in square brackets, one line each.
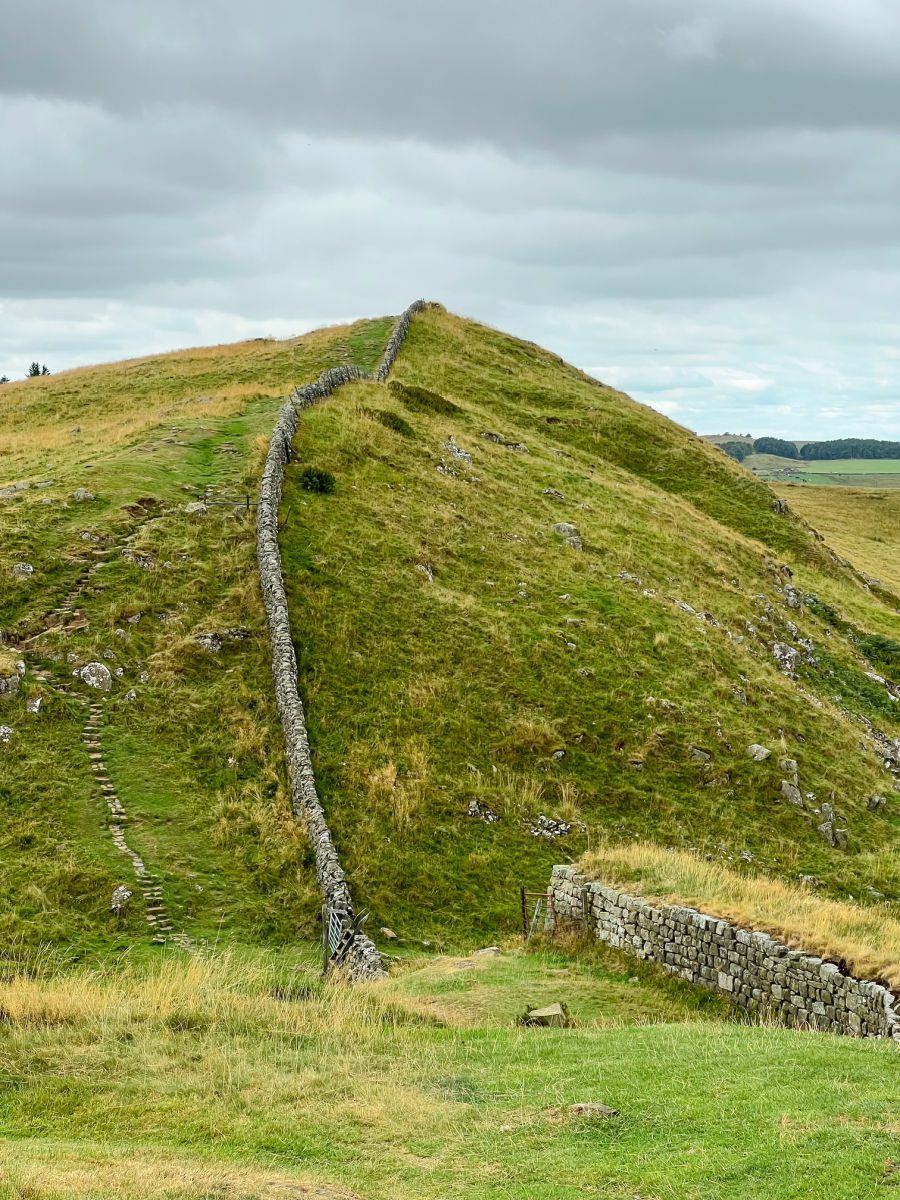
[756, 971]
[362, 959]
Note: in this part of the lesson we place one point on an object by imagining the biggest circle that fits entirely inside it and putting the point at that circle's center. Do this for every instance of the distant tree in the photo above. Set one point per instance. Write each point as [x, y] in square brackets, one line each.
[851, 448]
[773, 445]
[37, 368]
[4, 379]
[736, 450]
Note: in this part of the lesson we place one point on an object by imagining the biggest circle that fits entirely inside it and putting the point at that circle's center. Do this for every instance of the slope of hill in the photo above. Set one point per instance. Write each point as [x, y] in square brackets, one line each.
[484, 698]
[463, 662]
[131, 579]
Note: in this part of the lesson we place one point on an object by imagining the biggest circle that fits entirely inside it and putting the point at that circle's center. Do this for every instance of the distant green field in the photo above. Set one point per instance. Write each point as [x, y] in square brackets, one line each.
[875, 472]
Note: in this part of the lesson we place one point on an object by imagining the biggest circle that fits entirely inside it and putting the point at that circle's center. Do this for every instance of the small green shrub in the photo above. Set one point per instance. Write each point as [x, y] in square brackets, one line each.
[391, 420]
[312, 479]
[419, 399]
[882, 651]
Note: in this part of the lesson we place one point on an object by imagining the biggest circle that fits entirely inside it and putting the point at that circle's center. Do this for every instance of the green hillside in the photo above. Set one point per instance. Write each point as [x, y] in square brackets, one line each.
[486, 695]
[456, 653]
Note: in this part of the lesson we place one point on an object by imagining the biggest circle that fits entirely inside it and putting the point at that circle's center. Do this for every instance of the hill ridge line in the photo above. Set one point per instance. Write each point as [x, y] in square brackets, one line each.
[362, 959]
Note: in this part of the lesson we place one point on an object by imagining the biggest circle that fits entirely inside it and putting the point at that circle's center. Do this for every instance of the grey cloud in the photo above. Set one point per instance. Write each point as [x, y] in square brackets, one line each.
[687, 198]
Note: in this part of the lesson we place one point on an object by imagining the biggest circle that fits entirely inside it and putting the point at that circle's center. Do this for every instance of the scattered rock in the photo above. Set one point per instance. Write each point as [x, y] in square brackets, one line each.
[793, 598]
[789, 766]
[33, 704]
[700, 756]
[95, 675]
[570, 532]
[209, 641]
[548, 827]
[553, 493]
[130, 695]
[558, 755]
[427, 570]
[9, 684]
[876, 803]
[235, 633]
[457, 452]
[585, 672]
[145, 561]
[627, 577]
[501, 441]
[833, 827]
[388, 933]
[489, 950]
[791, 793]
[22, 570]
[197, 509]
[779, 506]
[739, 694]
[5, 734]
[481, 812]
[786, 657]
[758, 753]
[82, 494]
[553, 1016]
[593, 1111]
[87, 536]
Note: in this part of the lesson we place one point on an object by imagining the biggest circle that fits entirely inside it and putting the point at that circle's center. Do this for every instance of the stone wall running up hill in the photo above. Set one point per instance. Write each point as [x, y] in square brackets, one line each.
[363, 960]
[759, 973]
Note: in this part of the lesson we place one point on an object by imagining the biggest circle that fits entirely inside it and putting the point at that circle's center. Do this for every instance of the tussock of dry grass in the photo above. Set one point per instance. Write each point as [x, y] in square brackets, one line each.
[868, 938]
[115, 1174]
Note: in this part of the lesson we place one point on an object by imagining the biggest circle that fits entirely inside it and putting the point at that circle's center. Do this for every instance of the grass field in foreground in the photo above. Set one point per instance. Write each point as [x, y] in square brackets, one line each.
[194, 1079]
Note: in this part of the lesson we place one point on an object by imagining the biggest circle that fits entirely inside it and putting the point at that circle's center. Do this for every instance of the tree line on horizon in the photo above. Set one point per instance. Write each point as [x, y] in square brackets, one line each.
[809, 451]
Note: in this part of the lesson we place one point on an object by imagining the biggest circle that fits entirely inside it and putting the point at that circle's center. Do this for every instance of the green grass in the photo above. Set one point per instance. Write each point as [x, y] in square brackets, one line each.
[197, 758]
[424, 695]
[837, 472]
[192, 1081]
[451, 645]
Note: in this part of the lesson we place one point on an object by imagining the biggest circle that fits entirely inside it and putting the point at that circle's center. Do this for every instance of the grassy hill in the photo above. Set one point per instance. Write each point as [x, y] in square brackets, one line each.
[461, 660]
[455, 651]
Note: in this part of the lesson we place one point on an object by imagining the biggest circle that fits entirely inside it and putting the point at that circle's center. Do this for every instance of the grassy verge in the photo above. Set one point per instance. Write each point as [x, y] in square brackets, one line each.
[867, 938]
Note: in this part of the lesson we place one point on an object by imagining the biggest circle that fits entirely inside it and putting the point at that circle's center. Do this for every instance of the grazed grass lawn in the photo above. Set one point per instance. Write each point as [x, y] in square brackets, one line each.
[190, 1080]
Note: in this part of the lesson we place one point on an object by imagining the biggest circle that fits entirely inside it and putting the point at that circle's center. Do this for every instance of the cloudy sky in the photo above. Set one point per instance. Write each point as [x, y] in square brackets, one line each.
[695, 200]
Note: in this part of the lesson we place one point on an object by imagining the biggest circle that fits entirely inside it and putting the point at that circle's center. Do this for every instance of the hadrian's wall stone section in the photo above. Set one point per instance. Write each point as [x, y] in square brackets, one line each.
[758, 972]
[363, 961]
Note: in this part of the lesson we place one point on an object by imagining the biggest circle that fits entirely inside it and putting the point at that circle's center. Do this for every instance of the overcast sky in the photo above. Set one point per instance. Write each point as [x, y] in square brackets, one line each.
[695, 200]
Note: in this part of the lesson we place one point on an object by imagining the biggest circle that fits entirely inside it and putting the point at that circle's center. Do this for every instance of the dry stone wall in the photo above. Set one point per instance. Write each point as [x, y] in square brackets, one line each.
[758, 972]
[363, 960]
